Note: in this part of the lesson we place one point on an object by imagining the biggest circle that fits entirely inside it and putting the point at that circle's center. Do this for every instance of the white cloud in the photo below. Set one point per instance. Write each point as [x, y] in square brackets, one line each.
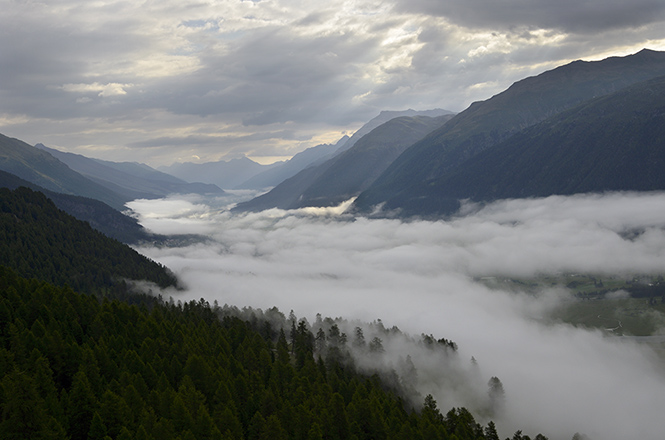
[103, 90]
[420, 276]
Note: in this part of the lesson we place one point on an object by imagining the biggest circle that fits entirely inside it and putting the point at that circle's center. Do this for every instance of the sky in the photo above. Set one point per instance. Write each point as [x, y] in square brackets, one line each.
[431, 277]
[194, 80]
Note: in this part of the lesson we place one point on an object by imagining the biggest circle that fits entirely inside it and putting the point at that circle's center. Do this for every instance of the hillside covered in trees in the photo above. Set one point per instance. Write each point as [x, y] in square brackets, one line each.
[75, 367]
[41, 241]
[78, 363]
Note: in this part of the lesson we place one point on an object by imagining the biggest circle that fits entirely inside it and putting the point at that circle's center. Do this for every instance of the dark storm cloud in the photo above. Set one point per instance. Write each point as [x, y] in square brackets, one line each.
[584, 17]
[273, 76]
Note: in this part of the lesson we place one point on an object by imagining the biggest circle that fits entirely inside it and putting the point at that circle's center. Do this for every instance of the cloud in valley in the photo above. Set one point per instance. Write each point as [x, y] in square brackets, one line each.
[423, 278]
[159, 82]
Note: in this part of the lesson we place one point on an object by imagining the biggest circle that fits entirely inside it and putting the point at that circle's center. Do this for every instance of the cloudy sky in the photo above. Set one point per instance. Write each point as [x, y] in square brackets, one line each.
[423, 277]
[201, 80]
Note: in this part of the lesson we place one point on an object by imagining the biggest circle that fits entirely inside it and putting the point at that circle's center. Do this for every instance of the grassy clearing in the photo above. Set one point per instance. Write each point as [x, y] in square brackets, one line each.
[617, 316]
[633, 307]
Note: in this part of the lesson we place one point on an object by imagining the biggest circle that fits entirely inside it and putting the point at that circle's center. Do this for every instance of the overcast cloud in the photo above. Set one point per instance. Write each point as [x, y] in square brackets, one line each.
[421, 277]
[159, 82]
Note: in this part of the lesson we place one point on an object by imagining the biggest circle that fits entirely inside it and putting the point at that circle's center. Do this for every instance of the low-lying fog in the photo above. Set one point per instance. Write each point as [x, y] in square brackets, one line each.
[422, 277]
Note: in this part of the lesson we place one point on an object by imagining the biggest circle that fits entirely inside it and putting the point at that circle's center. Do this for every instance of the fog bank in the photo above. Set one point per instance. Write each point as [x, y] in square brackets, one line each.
[421, 277]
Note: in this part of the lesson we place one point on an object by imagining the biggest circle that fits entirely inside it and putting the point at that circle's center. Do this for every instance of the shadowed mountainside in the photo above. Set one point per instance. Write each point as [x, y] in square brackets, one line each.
[347, 174]
[486, 124]
[131, 180]
[612, 143]
[40, 167]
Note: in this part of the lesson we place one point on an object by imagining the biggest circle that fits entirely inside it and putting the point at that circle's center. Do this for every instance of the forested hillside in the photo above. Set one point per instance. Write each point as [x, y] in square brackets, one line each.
[41, 241]
[101, 216]
[75, 367]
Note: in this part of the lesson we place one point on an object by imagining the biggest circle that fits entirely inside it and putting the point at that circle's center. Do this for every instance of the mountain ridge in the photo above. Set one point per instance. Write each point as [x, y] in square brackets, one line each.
[612, 143]
[486, 123]
[131, 180]
[308, 157]
[349, 172]
[98, 214]
[41, 168]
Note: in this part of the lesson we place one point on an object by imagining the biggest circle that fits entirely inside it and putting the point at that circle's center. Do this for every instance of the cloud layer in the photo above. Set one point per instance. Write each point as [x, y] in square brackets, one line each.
[167, 81]
[421, 277]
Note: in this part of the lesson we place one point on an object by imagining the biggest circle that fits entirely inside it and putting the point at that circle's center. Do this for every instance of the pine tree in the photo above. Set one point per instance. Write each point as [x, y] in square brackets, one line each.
[82, 404]
[98, 429]
[23, 413]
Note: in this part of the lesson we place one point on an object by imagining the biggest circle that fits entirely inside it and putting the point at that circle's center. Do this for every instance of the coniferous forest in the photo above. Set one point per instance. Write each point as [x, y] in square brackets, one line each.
[84, 358]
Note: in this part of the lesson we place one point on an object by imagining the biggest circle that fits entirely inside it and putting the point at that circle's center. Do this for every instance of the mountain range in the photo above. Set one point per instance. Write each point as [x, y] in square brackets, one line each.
[91, 190]
[244, 173]
[282, 171]
[41, 168]
[225, 174]
[98, 214]
[414, 184]
[352, 169]
[129, 179]
[612, 143]
[582, 127]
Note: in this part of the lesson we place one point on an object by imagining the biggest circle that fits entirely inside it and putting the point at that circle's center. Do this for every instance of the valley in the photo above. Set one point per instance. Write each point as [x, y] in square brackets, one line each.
[432, 275]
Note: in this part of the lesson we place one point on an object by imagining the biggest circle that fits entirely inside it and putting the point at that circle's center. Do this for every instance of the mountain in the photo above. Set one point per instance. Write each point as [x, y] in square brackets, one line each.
[129, 179]
[612, 143]
[355, 169]
[224, 174]
[41, 241]
[320, 153]
[40, 167]
[347, 174]
[384, 117]
[99, 215]
[278, 174]
[486, 124]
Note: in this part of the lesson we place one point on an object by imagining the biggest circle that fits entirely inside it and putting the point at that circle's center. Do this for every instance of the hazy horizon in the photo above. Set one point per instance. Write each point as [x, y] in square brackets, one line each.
[422, 276]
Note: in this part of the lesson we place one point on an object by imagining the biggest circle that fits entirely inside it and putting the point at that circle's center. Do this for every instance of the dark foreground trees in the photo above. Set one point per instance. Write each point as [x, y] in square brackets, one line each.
[75, 367]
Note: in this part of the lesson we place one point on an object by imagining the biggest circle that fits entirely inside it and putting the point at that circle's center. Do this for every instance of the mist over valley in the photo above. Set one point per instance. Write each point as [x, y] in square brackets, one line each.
[431, 277]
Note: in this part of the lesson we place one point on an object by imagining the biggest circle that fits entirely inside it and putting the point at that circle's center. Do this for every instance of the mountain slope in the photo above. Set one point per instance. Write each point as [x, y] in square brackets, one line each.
[38, 240]
[612, 143]
[384, 117]
[355, 169]
[345, 175]
[485, 124]
[319, 154]
[99, 215]
[131, 180]
[41, 168]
